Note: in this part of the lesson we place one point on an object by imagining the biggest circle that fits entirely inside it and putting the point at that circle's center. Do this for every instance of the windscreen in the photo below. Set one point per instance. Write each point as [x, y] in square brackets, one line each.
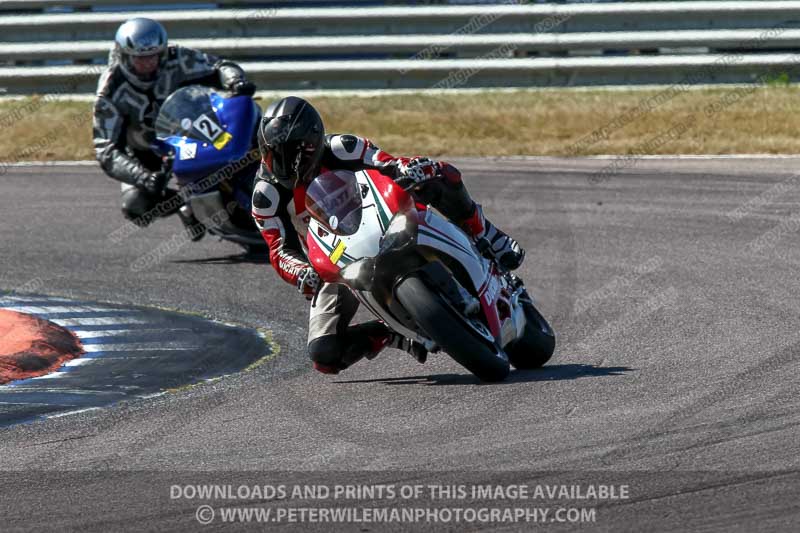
[188, 113]
[334, 200]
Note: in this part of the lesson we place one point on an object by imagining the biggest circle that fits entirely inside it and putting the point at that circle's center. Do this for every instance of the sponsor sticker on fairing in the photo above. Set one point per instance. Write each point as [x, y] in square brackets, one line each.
[187, 151]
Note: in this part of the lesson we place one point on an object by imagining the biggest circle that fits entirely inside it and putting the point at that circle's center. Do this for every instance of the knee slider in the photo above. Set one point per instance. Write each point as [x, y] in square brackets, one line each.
[325, 351]
[135, 206]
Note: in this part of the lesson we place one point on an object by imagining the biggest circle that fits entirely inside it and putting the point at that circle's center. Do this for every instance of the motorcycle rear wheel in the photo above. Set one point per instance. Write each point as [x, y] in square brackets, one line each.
[449, 330]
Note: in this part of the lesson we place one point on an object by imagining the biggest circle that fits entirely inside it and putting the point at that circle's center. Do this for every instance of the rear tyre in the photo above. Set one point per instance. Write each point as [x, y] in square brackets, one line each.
[536, 345]
[447, 328]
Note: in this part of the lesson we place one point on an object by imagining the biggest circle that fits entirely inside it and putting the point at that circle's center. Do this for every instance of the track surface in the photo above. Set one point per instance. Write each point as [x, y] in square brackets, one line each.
[677, 368]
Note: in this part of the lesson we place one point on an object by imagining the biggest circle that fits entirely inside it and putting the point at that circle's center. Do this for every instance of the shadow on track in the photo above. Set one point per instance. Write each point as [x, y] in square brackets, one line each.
[547, 373]
[235, 259]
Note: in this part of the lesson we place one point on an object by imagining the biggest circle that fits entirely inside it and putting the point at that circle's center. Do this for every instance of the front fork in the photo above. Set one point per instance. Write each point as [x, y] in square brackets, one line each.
[514, 324]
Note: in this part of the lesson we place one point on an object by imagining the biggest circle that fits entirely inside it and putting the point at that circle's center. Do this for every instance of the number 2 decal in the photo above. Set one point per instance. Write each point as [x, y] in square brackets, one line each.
[207, 127]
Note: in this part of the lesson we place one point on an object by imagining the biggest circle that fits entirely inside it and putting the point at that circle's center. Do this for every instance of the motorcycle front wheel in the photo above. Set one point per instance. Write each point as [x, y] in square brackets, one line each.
[448, 329]
[536, 344]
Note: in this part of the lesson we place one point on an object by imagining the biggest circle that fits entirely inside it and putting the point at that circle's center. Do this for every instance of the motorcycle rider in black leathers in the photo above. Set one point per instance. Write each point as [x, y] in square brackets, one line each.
[295, 150]
[143, 70]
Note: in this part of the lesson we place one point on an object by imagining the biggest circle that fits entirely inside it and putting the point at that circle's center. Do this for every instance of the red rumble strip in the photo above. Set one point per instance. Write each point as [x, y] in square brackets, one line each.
[31, 347]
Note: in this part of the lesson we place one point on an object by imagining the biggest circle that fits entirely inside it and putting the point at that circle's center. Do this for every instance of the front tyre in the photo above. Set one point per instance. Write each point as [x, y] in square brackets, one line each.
[447, 328]
[536, 345]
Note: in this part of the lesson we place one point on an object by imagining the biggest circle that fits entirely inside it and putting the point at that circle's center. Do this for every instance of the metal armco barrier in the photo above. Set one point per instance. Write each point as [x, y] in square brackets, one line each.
[435, 46]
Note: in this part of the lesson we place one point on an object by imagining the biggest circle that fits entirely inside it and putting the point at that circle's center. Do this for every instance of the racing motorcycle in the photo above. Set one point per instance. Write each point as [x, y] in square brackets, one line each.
[422, 275]
[208, 143]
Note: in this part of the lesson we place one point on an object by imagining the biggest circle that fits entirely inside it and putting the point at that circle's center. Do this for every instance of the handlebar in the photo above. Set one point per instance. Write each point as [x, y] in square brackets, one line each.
[409, 185]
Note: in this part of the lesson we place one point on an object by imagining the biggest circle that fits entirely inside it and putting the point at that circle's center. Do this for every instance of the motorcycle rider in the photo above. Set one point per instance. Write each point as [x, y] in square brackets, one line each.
[295, 150]
[143, 70]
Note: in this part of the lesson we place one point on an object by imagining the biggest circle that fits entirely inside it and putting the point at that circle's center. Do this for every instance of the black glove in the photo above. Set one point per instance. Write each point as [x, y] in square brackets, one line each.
[166, 164]
[152, 183]
[243, 88]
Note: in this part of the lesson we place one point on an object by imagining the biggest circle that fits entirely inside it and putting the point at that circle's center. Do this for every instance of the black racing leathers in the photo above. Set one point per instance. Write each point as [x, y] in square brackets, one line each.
[126, 107]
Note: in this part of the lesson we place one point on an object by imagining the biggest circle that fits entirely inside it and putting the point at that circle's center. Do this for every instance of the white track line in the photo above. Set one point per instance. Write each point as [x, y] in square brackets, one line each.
[138, 347]
[25, 299]
[25, 403]
[52, 164]
[89, 334]
[52, 375]
[78, 362]
[59, 415]
[98, 321]
[63, 309]
[20, 387]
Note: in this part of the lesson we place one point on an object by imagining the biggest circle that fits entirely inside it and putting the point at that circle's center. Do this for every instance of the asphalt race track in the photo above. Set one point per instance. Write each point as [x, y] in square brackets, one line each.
[672, 286]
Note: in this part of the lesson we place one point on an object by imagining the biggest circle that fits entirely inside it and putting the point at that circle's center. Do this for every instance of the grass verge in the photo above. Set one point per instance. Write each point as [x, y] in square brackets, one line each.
[753, 119]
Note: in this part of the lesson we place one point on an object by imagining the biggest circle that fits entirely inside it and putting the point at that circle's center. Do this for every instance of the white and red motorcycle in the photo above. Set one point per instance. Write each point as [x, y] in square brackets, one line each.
[422, 275]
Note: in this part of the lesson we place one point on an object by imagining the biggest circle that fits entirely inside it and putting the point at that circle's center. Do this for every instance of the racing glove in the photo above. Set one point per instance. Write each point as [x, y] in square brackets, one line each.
[308, 282]
[450, 173]
[243, 88]
[152, 182]
[418, 169]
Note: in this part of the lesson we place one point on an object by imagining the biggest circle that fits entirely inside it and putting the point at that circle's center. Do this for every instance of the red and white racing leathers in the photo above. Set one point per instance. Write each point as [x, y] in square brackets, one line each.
[281, 215]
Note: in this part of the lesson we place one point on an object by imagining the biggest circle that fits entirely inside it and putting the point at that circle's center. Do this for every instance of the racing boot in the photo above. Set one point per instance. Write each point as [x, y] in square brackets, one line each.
[390, 339]
[493, 243]
[417, 350]
[194, 228]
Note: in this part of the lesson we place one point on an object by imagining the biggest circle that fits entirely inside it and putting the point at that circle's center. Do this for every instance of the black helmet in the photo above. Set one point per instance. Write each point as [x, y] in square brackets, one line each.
[292, 141]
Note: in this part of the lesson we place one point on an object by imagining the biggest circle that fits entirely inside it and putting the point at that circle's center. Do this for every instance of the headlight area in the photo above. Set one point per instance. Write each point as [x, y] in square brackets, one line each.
[401, 232]
[359, 274]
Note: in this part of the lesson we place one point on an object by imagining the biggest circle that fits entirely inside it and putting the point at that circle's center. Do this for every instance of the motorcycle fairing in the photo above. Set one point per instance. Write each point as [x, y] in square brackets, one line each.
[439, 233]
[330, 252]
[232, 121]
